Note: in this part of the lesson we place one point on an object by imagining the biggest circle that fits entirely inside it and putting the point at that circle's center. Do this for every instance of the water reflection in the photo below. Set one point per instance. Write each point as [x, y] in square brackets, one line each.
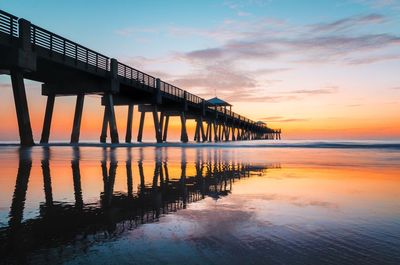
[60, 223]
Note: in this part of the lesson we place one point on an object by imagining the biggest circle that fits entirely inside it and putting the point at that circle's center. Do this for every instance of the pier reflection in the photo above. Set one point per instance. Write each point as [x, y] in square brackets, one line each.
[61, 223]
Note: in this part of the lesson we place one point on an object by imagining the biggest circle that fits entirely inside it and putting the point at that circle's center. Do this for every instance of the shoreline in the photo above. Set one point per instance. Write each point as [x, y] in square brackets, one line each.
[361, 144]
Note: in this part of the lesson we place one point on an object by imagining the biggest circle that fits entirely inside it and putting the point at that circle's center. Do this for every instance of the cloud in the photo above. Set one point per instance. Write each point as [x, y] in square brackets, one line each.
[372, 59]
[282, 119]
[321, 91]
[135, 30]
[379, 4]
[243, 14]
[240, 43]
[349, 22]
[396, 88]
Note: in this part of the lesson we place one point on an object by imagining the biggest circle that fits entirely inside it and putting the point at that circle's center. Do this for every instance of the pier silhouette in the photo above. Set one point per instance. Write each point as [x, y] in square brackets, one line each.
[67, 68]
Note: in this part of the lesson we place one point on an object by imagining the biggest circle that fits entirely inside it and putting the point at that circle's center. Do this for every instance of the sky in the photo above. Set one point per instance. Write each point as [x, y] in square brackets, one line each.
[316, 69]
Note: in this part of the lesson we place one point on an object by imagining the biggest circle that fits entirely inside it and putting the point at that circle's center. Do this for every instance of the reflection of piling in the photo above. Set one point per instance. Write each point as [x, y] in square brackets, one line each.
[183, 177]
[108, 177]
[47, 177]
[21, 186]
[129, 174]
[141, 173]
[76, 174]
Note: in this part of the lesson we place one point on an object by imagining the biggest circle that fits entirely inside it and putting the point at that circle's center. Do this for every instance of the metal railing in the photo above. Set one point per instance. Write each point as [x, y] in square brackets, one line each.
[60, 45]
[172, 90]
[179, 93]
[8, 24]
[56, 44]
[136, 75]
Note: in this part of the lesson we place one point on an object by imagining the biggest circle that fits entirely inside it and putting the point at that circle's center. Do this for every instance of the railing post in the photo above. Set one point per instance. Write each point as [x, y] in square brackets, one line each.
[11, 29]
[24, 34]
[51, 45]
[76, 54]
[114, 76]
[26, 58]
[64, 48]
[185, 105]
[33, 38]
[157, 92]
[87, 59]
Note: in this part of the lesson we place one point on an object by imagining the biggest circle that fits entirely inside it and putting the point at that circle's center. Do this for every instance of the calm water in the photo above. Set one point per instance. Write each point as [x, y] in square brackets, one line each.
[209, 205]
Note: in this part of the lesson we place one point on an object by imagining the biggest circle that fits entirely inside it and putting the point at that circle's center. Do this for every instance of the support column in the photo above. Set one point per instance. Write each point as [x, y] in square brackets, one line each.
[203, 135]
[215, 131]
[21, 107]
[111, 118]
[103, 136]
[165, 128]
[223, 132]
[128, 136]
[76, 129]
[184, 136]
[47, 119]
[140, 131]
[227, 132]
[157, 126]
[162, 117]
[197, 132]
[207, 131]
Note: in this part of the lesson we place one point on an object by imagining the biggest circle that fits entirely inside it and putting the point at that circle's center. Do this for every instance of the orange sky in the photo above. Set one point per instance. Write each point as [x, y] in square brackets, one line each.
[377, 121]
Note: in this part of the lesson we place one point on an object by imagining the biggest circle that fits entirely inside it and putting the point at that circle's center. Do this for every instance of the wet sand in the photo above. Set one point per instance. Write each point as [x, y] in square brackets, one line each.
[189, 205]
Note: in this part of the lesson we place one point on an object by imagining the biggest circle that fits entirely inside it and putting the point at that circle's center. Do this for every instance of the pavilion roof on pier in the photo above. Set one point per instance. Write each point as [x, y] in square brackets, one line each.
[218, 102]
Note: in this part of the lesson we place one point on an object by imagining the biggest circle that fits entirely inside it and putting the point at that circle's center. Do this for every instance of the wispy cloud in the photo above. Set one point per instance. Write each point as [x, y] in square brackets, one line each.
[135, 30]
[222, 67]
[349, 22]
[378, 4]
[282, 119]
[321, 91]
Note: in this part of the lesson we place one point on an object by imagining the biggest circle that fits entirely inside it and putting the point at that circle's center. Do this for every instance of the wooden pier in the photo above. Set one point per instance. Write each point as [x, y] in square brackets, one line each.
[67, 68]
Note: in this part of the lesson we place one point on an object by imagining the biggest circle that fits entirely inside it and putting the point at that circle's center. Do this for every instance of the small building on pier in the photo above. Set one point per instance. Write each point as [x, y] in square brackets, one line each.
[219, 103]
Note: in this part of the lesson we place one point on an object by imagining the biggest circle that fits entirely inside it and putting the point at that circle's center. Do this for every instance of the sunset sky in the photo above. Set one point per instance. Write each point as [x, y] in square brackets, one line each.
[316, 69]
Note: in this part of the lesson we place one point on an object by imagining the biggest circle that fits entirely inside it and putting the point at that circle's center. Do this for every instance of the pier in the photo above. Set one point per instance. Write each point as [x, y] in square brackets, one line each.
[66, 68]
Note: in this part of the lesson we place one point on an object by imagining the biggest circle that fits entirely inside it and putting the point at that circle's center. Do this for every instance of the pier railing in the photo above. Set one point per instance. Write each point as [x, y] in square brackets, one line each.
[8, 24]
[56, 44]
[133, 74]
